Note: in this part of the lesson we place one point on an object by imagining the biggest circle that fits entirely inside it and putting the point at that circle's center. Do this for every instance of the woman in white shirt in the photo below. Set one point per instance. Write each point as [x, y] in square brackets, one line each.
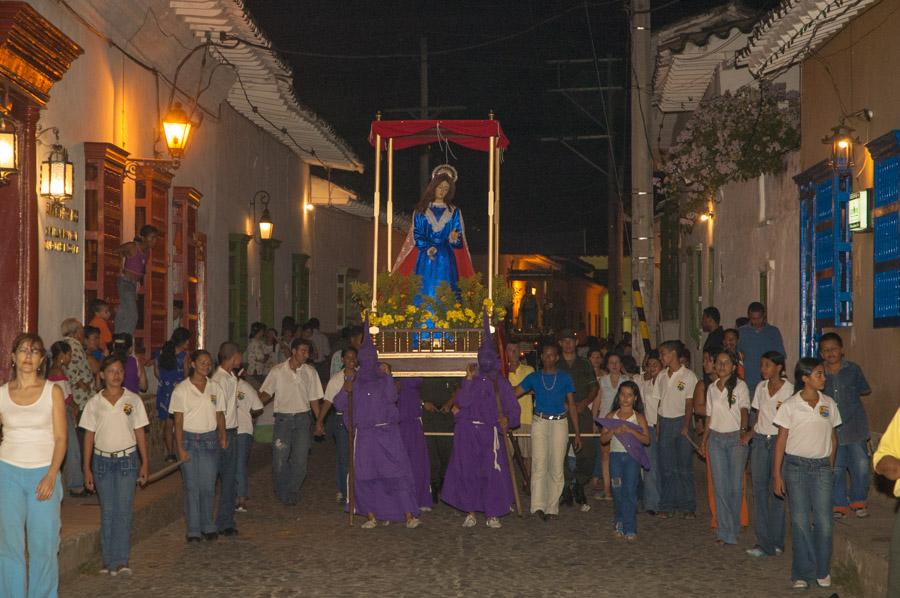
[768, 509]
[33, 416]
[199, 407]
[727, 414]
[114, 421]
[806, 446]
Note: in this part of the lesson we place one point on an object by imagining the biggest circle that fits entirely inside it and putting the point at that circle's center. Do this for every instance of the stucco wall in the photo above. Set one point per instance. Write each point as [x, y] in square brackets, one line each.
[864, 73]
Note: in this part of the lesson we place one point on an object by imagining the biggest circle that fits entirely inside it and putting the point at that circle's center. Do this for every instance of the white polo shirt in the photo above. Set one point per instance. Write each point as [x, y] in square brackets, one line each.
[334, 386]
[649, 398]
[810, 427]
[199, 408]
[674, 390]
[293, 390]
[725, 418]
[247, 401]
[767, 406]
[113, 425]
[229, 384]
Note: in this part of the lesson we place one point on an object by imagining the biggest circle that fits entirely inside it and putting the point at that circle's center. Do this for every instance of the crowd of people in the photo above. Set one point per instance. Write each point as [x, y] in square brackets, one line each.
[585, 420]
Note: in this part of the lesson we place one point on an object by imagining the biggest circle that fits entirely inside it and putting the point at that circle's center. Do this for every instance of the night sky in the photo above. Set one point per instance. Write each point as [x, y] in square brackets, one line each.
[552, 200]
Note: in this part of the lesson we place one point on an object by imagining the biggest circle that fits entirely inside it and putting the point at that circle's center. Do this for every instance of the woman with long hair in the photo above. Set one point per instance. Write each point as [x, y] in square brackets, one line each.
[170, 367]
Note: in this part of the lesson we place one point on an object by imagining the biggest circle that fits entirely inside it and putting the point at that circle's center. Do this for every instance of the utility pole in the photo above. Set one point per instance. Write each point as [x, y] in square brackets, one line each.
[642, 268]
[615, 227]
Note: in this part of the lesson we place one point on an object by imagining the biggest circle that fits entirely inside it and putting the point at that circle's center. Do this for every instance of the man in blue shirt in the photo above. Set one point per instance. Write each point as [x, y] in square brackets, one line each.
[554, 402]
[756, 338]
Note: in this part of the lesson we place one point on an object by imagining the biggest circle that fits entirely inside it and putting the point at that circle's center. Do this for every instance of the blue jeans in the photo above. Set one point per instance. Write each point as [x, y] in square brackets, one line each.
[199, 475]
[624, 473]
[853, 457]
[809, 483]
[727, 458]
[242, 472]
[676, 467]
[72, 465]
[291, 440]
[650, 478]
[336, 429]
[768, 509]
[228, 458]
[21, 515]
[127, 312]
[114, 479]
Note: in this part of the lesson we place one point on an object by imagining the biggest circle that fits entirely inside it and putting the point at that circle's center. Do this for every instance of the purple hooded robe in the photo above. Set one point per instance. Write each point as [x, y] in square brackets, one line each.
[410, 405]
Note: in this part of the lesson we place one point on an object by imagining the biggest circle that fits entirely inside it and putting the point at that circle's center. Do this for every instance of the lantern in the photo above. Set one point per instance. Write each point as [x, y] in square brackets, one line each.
[9, 153]
[57, 175]
[177, 127]
[266, 226]
[841, 140]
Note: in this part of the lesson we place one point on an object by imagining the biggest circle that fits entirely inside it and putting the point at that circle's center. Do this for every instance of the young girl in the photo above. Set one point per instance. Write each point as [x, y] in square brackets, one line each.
[727, 415]
[135, 376]
[248, 407]
[609, 388]
[625, 471]
[114, 421]
[170, 368]
[806, 446]
[60, 358]
[768, 510]
[198, 404]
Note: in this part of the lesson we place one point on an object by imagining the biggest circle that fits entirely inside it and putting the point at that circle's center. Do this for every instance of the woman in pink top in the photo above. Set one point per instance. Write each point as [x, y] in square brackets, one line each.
[33, 416]
[135, 255]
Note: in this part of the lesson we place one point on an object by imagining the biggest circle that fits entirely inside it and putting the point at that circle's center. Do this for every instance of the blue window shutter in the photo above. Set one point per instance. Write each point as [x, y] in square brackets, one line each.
[885, 152]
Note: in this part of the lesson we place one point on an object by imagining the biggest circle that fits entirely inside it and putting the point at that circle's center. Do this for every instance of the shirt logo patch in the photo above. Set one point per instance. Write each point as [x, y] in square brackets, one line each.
[824, 411]
[241, 396]
[680, 385]
[212, 399]
[127, 408]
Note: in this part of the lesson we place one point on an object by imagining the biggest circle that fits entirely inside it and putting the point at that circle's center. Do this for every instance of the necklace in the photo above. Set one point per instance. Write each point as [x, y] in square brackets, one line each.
[552, 386]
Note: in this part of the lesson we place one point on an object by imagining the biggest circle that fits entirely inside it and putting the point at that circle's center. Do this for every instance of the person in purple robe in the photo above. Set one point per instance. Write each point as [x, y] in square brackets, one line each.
[478, 478]
[384, 488]
[413, 435]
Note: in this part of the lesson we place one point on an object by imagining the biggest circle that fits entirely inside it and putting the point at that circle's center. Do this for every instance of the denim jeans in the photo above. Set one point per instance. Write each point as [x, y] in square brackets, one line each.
[650, 478]
[127, 312]
[676, 467]
[228, 458]
[624, 473]
[21, 515]
[290, 450]
[72, 465]
[852, 458]
[242, 471]
[768, 509]
[336, 429]
[727, 458]
[809, 483]
[199, 475]
[115, 479]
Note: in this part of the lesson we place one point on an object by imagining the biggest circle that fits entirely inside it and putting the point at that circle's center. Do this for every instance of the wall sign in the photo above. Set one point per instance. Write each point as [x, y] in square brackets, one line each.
[858, 210]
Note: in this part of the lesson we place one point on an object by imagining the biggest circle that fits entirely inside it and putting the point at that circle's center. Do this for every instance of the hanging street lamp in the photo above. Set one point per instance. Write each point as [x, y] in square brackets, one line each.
[57, 174]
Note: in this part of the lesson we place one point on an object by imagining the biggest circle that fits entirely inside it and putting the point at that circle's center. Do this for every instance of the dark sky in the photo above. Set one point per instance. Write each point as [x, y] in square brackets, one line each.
[553, 201]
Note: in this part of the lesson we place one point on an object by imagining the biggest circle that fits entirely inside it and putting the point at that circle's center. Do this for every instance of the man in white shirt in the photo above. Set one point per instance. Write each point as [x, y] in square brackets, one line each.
[229, 360]
[296, 389]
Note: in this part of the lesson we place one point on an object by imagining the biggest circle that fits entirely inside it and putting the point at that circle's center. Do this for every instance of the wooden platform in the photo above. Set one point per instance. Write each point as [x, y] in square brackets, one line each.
[429, 365]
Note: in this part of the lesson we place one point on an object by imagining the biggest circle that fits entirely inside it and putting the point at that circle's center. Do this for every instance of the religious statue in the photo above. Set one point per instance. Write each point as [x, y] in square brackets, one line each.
[435, 247]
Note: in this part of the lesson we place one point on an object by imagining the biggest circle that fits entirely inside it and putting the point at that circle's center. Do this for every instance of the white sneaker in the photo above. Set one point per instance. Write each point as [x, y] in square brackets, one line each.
[493, 522]
[240, 509]
[825, 582]
[756, 551]
[469, 521]
[339, 497]
[585, 508]
[862, 512]
[779, 552]
[126, 571]
[413, 523]
[370, 524]
[800, 585]
[425, 509]
[104, 571]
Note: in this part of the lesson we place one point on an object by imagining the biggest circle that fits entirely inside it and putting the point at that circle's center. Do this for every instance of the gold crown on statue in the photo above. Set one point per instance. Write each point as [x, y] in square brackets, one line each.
[447, 170]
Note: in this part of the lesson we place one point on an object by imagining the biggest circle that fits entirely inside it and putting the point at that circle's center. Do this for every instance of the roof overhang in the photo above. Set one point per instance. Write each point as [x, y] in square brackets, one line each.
[327, 194]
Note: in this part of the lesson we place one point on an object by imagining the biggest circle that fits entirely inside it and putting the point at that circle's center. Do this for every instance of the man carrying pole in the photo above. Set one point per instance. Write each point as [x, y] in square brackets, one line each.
[480, 477]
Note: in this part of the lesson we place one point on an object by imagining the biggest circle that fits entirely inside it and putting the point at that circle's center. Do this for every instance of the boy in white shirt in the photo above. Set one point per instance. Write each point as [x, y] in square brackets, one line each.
[229, 360]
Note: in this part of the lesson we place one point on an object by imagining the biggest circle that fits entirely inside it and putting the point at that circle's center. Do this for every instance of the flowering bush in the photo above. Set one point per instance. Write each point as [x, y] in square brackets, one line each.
[445, 310]
[732, 137]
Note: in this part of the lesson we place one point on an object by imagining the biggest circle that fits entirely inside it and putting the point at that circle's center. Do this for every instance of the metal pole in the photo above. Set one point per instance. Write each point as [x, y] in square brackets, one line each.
[390, 203]
[376, 212]
[497, 215]
[641, 167]
[490, 252]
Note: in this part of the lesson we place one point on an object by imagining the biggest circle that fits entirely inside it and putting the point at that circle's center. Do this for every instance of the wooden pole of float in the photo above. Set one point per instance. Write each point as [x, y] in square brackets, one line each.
[490, 252]
[390, 203]
[497, 215]
[376, 212]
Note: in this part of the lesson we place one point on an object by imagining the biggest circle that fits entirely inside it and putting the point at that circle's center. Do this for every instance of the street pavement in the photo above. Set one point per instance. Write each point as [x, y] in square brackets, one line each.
[310, 550]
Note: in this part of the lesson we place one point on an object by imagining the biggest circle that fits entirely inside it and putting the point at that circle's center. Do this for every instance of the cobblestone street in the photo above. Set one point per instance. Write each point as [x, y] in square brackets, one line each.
[310, 550]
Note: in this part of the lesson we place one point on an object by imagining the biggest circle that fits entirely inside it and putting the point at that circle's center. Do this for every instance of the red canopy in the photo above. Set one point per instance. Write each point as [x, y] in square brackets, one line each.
[473, 134]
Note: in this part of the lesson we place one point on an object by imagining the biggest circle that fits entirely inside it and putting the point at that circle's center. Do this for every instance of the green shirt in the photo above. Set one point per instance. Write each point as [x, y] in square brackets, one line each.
[582, 375]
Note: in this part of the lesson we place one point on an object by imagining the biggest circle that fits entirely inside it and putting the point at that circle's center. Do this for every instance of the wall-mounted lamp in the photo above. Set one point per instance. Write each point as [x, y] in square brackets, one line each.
[57, 172]
[266, 226]
[177, 127]
[841, 141]
[309, 207]
[9, 152]
[707, 216]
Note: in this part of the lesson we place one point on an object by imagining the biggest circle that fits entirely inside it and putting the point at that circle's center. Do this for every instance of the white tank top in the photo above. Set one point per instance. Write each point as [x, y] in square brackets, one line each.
[614, 445]
[27, 431]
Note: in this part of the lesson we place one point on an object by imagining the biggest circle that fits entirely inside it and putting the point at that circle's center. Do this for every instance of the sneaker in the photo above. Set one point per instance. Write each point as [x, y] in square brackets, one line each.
[839, 515]
[113, 573]
[240, 509]
[469, 521]
[413, 523]
[863, 512]
[800, 585]
[585, 508]
[756, 551]
[630, 537]
[425, 509]
[825, 582]
[104, 571]
[779, 551]
[370, 524]
[541, 515]
[126, 571]
[339, 497]
[493, 522]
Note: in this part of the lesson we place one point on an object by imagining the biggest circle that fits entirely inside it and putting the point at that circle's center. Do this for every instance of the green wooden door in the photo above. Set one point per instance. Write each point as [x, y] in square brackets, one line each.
[237, 287]
[300, 287]
[267, 282]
